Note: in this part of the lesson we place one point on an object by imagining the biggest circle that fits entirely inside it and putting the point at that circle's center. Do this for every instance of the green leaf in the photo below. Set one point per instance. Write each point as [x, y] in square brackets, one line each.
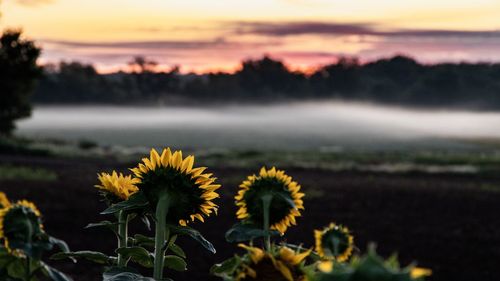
[246, 232]
[113, 226]
[138, 255]
[146, 222]
[6, 257]
[175, 263]
[143, 241]
[367, 268]
[114, 270]
[123, 274]
[225, 268]
[136, 201]
[59, 243]
[92, 256]
[55, 274]
[194, 234]
[17, 269]
[174, 248]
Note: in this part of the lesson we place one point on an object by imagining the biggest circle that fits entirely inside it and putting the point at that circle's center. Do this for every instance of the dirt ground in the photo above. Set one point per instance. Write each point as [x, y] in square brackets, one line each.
[449, 223]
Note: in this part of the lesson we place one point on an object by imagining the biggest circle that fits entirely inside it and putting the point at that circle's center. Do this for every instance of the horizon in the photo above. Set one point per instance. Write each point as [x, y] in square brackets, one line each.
[308, 71]
[303, 34]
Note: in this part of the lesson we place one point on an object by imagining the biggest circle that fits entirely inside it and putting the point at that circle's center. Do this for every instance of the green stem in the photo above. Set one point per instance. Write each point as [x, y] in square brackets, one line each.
[160, 234]
[266, 204]
[28, 269]
[336, 246]
[28, 260]
[123, 236]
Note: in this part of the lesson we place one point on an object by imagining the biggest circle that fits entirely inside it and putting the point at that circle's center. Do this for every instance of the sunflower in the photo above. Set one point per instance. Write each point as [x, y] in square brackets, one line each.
[11, 214]
[281, 264]
[4, 201]
[117, 187]
[286, 201]
[334, 242]
[419, 272]
[190, 190]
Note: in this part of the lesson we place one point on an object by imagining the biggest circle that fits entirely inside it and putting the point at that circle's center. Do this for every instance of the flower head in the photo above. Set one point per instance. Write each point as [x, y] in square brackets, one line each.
[4, 201]
[281, 264]
[191, 191]
[10, 228]
[286, 201]
[117, 185]
[334, 242]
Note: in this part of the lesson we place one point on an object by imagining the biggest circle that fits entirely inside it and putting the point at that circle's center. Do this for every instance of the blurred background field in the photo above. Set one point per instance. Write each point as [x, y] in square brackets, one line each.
[387, 114]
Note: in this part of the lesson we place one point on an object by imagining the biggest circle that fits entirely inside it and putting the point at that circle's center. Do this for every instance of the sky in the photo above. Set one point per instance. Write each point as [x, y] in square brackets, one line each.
[201, 35]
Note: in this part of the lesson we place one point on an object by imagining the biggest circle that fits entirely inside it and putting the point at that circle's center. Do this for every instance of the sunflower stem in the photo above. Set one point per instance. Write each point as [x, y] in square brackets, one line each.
[122, 236]
[28, 260]
[336, 244]
[160, 234]
[28, 269]
[266, 204]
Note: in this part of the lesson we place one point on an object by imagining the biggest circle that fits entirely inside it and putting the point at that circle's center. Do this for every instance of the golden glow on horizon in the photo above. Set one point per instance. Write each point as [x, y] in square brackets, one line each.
[201, 20]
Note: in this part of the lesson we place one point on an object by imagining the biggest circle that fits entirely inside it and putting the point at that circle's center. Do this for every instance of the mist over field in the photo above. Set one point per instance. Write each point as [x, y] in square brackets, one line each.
[283, 126]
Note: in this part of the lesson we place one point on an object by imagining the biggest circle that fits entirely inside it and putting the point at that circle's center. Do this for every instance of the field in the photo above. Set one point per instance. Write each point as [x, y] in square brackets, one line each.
[440, 210]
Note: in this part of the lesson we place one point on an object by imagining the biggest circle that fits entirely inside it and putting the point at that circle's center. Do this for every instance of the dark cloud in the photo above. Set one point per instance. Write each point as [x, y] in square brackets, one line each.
[166, 44]
[234, 44]
[217, 43]
[328, 28]
[300, 28]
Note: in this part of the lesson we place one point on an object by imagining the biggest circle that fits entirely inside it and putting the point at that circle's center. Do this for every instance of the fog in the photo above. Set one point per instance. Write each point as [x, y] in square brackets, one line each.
[293, 126]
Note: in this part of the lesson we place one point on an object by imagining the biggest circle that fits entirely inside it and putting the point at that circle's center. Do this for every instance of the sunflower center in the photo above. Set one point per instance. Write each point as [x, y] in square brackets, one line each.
[184, 194]
[335, 242]
[281, 204]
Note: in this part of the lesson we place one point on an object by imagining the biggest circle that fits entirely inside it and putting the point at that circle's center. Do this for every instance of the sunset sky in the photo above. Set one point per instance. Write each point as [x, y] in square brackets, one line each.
[203, 35]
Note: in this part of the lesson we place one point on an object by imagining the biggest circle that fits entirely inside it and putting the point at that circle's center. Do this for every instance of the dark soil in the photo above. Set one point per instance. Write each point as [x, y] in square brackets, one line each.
[445, 222]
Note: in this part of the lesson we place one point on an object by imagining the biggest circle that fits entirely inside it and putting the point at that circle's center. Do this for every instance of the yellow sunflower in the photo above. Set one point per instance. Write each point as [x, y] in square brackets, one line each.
[9, 214]
[190, 189]
[285, 205]
[4, 201]
[282, 264]
[419, 272]
[334, 242]
[118, 185]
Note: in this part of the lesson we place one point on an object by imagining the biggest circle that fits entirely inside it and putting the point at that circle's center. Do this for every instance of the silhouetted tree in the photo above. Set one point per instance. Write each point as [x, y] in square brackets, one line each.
[269, 77]
[18, 73]
[141, 64]
[339, 79]
[399, 80]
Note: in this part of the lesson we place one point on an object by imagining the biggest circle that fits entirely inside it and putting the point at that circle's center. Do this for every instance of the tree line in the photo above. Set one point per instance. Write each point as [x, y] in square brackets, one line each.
[398, 80]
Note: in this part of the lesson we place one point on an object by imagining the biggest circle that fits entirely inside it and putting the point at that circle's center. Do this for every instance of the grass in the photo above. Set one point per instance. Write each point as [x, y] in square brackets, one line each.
[20, 173]
[20, 146]
[484, 159]
[385, 161]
